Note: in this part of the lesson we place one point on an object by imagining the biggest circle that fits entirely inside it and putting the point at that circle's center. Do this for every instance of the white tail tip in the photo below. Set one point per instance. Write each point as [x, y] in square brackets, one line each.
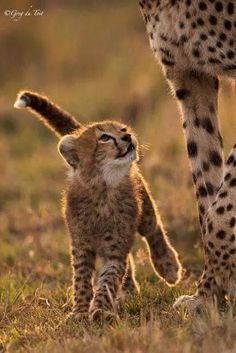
[20, 103]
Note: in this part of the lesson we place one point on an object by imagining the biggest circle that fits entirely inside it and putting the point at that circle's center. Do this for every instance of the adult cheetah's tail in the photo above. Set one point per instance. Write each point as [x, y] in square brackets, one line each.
[56, 119]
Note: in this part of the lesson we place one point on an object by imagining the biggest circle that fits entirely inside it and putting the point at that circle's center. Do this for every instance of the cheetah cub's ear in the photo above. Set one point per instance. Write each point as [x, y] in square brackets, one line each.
[68, 151]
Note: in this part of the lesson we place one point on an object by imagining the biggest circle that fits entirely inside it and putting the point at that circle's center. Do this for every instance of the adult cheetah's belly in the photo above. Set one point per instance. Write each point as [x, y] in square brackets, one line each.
[197, 35]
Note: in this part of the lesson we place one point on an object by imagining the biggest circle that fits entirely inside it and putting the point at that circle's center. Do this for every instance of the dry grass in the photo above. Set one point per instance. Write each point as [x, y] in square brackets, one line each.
[95, 61]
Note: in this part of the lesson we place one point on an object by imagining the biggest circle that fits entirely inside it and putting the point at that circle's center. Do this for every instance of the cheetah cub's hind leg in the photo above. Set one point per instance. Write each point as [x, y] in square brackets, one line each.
[130, 285]
[219, 278]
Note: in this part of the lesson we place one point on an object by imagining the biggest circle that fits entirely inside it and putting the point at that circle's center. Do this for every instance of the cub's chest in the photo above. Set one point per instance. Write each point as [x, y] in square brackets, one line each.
[104, 209]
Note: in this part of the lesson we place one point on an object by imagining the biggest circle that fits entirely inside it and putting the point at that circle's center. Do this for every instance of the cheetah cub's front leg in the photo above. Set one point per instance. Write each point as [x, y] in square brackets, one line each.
[83, 264]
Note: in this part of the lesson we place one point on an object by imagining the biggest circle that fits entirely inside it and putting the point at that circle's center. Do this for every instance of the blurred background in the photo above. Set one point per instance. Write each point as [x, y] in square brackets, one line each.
[93, 59]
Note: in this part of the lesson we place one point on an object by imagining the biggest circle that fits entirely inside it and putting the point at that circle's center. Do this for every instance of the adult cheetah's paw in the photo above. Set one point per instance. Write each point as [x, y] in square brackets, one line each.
[192, 303]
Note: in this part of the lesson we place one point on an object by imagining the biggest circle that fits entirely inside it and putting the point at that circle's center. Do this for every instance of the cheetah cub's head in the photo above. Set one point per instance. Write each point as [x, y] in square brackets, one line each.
[103, 150]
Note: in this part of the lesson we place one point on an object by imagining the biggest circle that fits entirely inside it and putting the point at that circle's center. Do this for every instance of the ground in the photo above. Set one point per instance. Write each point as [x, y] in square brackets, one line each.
[96, 69]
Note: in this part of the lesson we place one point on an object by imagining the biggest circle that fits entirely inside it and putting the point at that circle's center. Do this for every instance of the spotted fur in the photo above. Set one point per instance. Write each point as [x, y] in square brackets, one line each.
[106, 202]
[195, 42]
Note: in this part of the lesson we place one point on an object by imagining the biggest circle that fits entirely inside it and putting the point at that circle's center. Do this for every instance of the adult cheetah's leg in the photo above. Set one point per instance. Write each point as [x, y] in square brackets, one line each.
[107, 287]
[219, 239]
[197, 95]
[220, 230]
[83, 263]
[130, 284]
[163, 257]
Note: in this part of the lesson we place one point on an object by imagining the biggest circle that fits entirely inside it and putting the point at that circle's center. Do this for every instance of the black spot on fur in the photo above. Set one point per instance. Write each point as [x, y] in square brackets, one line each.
[230, 159]
[167, 62]
[210, 188]
[192, 149]
[215, 158]
[223, 194]
[228, 25]
[218, 6]
[197, 122]
[210, 227]
[211, 245]
[230, 54]
[220, 234]
[203, 36]
[226, 256]
[202, 191]
[200, 21]
[232, 182]
[230, 8]
[213, 20]
[202, 5]
[223, 37]
[229, 207]
[182, 93]
[227, 176]
[201, 209]
[196, 53]
[220, 210]
[207, 125]
[205, 166]
[207, 285]
[232, 222]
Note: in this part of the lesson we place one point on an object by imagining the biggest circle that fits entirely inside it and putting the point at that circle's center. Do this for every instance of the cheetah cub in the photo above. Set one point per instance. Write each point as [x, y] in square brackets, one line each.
[106, 202]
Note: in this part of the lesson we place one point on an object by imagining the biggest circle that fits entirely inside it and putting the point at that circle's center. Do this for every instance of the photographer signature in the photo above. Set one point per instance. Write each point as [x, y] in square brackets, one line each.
[17, 15]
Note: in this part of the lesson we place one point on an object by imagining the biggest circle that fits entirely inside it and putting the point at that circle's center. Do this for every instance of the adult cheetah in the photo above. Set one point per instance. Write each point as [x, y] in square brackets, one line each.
[195, 42]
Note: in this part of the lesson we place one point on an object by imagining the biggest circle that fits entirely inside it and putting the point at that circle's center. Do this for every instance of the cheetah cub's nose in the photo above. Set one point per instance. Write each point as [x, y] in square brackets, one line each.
[126, 138]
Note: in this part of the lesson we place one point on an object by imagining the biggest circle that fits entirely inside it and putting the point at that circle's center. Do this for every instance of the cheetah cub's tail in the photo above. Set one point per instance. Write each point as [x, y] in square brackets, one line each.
[50, 114]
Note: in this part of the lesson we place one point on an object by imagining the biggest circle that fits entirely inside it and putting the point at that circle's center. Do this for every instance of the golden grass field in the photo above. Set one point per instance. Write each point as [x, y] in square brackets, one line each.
[93, 58]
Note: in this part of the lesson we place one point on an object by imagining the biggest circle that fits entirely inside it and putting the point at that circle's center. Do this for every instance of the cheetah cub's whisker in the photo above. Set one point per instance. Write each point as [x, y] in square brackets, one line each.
[106, 202]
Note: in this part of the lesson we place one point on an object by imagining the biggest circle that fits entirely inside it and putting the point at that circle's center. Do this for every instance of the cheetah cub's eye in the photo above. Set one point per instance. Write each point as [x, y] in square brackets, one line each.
[105, 138]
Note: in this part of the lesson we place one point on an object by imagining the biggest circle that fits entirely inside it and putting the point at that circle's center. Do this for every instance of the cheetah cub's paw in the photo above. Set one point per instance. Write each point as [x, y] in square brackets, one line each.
[170, 269]
[80, 316]
[192, 303]
[103, 316]
[73, 318]
[77, 317]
